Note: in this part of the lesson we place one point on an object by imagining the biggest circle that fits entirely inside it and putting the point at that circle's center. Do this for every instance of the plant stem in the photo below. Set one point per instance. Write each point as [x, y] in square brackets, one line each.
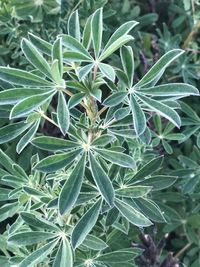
[67, 92]
[191, 34]
[183, 250]
[101, 111]
[47, 118]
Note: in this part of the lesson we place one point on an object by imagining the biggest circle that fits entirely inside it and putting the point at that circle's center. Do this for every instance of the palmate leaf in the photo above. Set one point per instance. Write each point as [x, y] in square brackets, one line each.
[72, 187]
[58, 161]
[102, 180]
[22, 77]
[85, 224]
[161, 109]
[35, 57]
[115, 99]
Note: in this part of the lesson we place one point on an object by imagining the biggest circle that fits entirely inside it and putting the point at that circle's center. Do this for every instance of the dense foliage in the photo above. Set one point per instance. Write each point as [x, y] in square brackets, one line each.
[99, 159]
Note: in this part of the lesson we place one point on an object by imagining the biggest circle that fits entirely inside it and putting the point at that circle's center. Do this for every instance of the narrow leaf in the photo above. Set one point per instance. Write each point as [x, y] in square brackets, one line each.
[50, 143]
[118, 158]
[29, 104]
[159, 67]
[64, 256]
[38, 255]
[139, 119]
[22, 77]
[126, 53]
[102, 180]
[85, 224]
[72, 187]
[26, 138]
[161, 109]
[35, 57]
[63, 117]
[97, 30]
[73, 26]
[58, 161]
[131, 214]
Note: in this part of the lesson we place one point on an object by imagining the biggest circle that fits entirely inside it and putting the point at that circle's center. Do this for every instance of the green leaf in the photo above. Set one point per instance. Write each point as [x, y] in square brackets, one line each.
[72, 44]
[103, 140]
[41, 44]
[22, 77]
[38, 222]
[70, 56]
[63, 117]
[102, 180]
[97, 30]
[85, 224]
[30, 238]
[147, 169]
[121, 32]
[11, 131]
[158, 182]
[139, 119]
[127, 59]
[131, 214]
[58, 161]
[159, 67]
[12, 96]
[117, 256]
[38, 255]
[133, 191]
[26, 138]
[75, 99]
[64, 256]
[115, 99]
[118, 158]
[171, 89]
[35, 58]
[29, 104]
[57, 54]
[87, 33]
[107, 71]
[114, 46]
[83, 71]
[72, 187]
[50, 143]
[150, 209]
[94, 243]
[161, 109]
[73, 26]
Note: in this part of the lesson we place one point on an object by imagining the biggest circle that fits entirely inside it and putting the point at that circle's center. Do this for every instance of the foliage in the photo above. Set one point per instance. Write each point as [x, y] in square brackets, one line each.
[87, 113]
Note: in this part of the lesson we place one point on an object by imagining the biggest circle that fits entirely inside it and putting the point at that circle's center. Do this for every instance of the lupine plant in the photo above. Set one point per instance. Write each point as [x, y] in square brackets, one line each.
[97, 176]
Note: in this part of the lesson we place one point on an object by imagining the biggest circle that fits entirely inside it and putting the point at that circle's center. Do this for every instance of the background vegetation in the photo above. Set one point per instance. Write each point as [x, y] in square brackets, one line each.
[163, 26]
